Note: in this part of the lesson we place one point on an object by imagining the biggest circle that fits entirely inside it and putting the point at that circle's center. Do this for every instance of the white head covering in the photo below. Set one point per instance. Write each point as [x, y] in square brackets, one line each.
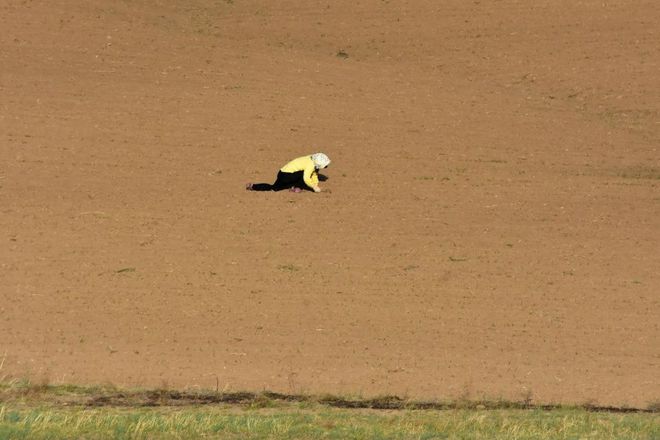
[320, 160]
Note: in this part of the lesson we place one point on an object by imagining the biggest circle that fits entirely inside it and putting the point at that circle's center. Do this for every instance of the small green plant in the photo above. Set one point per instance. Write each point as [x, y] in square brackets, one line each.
[288, 268]
[125, 270]
[457, 259]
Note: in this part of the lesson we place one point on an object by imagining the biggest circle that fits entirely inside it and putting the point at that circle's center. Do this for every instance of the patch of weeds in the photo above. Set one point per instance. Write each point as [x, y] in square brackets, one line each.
[342, 54]
[634, 118]
[457, 259]
[411, 267]
[425, 178]
[261, 401]
[96, 214]
[640, 172]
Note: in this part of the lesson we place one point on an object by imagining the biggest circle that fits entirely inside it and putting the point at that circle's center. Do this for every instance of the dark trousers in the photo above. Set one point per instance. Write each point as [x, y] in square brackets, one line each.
[283, 181]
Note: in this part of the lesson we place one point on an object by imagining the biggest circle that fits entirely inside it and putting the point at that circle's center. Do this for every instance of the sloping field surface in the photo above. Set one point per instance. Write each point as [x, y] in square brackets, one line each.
[491, 225]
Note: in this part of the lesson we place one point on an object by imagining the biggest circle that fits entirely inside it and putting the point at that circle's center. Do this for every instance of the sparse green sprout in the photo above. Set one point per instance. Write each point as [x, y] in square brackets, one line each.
[125, 270]
[457, 259]
[288, 267]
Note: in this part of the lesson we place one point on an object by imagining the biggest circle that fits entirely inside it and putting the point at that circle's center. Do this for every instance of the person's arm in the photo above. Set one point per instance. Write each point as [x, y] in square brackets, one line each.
[311, 178]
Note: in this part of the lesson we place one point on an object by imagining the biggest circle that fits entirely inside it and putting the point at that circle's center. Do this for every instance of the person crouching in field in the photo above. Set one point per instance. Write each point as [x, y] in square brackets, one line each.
[301, 173]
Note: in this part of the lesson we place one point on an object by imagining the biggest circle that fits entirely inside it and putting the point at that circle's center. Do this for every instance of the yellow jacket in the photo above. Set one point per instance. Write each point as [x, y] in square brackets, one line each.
[305, 164]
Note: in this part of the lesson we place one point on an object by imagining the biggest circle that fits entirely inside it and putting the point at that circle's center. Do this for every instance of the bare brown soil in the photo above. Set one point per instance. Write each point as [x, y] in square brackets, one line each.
[491, 226]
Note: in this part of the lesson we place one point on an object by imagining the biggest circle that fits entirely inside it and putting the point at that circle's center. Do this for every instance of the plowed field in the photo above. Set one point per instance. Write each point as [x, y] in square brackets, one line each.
[490, 225]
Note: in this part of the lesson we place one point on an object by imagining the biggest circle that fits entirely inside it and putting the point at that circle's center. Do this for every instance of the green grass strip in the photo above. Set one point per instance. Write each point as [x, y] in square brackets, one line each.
[318, 422]
[29, 411]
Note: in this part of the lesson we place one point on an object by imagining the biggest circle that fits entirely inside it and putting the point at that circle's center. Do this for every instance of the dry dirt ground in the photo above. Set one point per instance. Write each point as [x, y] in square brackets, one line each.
[491, 226]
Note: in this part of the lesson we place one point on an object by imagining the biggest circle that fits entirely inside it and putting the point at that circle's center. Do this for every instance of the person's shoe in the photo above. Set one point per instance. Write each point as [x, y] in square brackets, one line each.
[248, 186]
[295, 190]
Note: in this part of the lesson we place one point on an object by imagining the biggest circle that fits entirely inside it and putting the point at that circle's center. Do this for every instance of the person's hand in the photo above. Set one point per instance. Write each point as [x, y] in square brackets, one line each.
[317, 189]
